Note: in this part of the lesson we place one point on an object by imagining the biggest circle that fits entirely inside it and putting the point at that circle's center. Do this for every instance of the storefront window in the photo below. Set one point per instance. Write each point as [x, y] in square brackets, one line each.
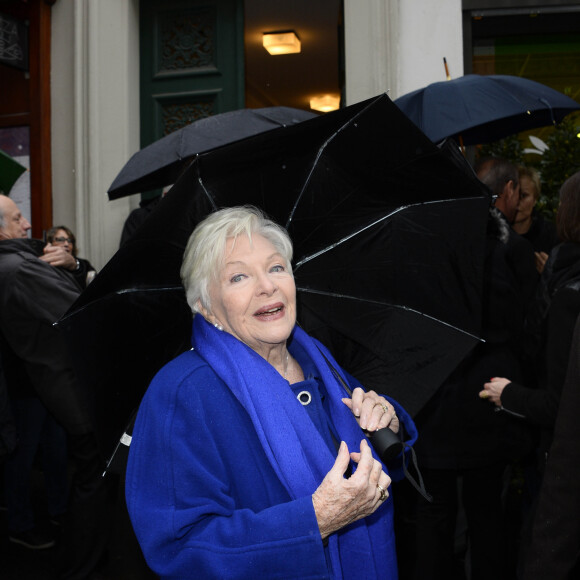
[513, 45]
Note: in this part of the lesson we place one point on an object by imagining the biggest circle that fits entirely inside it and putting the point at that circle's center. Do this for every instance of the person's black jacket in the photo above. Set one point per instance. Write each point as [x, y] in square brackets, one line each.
[557, 308]
[80, 274]
[542, 234]
[457, 429]
[34, 295]
[555, 546]
[7, 428]
[137, 217]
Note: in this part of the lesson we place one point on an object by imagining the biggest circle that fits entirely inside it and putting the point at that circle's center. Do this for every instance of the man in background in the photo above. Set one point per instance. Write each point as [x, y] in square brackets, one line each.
[466, 446]
[35, 291]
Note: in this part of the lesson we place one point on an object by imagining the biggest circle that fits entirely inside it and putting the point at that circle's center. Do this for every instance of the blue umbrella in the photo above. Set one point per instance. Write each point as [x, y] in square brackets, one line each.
[481, 109]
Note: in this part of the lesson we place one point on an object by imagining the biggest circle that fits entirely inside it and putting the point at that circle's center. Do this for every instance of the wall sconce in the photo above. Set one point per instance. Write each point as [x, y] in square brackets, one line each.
[281, 42]
[325, 103]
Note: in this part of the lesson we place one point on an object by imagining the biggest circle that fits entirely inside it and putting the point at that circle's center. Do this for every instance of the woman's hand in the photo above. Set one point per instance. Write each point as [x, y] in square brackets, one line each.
[372, 411]
[339, 501]
[494, 389]
[540, 258]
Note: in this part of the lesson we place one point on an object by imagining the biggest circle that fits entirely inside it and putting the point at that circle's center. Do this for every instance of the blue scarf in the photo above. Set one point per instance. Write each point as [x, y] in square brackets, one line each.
[294, 447]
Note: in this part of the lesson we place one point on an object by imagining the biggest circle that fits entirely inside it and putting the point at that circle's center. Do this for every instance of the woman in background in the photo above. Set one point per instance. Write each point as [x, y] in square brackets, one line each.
[529, 223]
[63, 236]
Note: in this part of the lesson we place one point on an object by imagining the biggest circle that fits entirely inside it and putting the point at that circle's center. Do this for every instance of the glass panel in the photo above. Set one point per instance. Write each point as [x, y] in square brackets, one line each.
[15, 141]
[553, 60]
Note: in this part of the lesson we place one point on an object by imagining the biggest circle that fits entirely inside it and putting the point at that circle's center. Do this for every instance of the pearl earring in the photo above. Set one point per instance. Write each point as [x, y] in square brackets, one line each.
[218, 325]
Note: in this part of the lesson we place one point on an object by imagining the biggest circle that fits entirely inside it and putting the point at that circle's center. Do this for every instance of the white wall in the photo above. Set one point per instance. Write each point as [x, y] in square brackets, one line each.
[397, 46]
[95, 117]
[62, 121]
[429, 31]
[371, 38]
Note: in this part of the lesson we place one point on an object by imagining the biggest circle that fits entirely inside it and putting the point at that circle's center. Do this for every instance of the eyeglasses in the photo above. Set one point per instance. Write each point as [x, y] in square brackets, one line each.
[63, 241]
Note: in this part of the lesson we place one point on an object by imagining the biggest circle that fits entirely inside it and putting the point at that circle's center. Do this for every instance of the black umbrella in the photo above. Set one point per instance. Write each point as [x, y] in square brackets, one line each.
[482, 109]
[162, 162]
[388, 233]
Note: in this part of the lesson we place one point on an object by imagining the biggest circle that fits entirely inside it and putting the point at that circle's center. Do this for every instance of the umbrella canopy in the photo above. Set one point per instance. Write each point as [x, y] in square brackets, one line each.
[482, 109]
[10, 171]
[162, 162]
[388, 234]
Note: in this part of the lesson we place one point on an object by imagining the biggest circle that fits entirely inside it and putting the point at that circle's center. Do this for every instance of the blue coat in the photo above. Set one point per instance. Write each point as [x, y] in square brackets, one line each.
[203, 498]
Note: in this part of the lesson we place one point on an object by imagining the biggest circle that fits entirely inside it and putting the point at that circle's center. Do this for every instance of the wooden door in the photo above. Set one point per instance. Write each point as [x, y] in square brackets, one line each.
[192, 62]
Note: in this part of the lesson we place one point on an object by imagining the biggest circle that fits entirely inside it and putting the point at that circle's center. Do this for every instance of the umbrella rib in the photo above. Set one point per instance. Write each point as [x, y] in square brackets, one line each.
[397, 306]
[346, 238]
[351, 235]
[84, 307]
[207, 193]
[542, 100]
[141, 290]
[307, 180]
[318, 155]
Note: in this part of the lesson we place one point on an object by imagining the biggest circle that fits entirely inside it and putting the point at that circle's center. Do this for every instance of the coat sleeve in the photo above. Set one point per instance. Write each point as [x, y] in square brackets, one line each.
[39, 294]
[540, 405]
[202, 501]
[553, 551]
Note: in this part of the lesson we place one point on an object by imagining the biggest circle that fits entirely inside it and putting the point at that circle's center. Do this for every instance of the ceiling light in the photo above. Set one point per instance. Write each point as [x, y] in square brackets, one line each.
[281, 42]
[325, 103]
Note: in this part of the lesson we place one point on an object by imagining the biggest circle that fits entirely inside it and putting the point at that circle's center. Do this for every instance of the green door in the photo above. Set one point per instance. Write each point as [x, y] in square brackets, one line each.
[192, 62]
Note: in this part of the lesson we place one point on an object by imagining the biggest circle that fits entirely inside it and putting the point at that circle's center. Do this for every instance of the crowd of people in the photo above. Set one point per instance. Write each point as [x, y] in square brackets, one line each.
[485, 437]
[48, 421]
[250, 453]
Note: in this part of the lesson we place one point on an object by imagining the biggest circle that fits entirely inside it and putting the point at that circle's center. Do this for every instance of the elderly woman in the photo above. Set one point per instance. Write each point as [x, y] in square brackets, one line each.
[247, 458]
[61, 236]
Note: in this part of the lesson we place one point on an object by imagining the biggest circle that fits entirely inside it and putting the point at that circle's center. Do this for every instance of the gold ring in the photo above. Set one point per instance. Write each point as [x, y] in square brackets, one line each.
[383, 494]
[484, 395]
[385, 407]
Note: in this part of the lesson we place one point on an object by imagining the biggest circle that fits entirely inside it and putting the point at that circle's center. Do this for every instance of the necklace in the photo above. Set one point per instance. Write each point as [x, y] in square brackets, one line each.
[286, 367]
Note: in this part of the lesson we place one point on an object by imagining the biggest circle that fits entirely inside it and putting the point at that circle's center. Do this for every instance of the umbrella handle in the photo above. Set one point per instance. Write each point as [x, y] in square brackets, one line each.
[387, 443]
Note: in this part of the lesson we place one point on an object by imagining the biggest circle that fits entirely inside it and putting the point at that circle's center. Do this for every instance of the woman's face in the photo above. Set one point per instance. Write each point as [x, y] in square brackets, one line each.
[527, 200]
[61, 235]
[254, 296]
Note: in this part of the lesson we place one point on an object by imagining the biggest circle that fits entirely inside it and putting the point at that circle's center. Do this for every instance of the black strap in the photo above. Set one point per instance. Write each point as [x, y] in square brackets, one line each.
[420, 486]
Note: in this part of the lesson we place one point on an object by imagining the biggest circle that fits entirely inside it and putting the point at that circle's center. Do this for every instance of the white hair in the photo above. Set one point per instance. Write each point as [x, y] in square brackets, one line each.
[205, 251]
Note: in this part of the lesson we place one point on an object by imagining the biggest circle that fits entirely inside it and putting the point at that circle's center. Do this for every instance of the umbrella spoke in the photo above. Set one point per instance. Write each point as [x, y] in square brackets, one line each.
[363, 229]
[347, 238]
[400, 307]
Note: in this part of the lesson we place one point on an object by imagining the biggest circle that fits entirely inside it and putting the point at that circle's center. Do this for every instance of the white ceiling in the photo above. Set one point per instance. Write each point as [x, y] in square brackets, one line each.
[292, 79]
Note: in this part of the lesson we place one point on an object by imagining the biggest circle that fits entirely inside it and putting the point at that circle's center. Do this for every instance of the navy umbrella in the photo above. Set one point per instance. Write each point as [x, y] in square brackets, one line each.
[388, 232]
[481, 109]
[162, 162]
